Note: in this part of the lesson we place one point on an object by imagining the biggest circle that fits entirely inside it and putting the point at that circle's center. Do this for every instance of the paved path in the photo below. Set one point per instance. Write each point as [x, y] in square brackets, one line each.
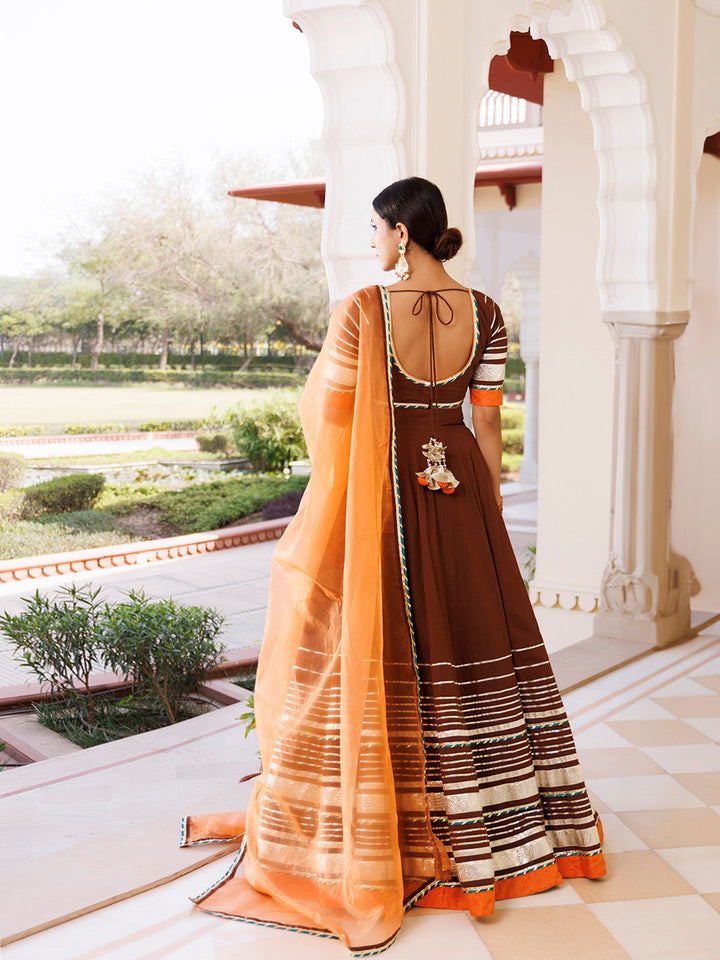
[105, 821]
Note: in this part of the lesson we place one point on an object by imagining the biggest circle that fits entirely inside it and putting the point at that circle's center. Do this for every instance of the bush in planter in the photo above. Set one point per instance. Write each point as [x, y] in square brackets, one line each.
[58, 641]
[165, 648]
[212, 442]
[12, 470]
[75, 492]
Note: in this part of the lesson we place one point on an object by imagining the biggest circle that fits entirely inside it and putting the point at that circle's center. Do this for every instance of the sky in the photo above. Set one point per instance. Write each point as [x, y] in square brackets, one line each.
[96, 92]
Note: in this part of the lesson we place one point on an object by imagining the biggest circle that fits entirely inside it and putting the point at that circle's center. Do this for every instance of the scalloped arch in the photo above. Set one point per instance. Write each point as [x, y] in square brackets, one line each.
[613, 91]
[353, 60]
[352, 57]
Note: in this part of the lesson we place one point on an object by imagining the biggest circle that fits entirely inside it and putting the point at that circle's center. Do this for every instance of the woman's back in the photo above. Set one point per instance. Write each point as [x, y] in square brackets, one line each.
[452, 332]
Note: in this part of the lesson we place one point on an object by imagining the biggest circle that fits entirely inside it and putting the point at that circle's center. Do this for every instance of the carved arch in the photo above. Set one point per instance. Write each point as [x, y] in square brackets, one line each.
[614, 93]
[353, 60]
[352, 57]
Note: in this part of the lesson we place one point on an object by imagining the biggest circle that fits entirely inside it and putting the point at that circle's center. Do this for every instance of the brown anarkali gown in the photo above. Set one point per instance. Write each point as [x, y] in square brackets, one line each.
[414, 745]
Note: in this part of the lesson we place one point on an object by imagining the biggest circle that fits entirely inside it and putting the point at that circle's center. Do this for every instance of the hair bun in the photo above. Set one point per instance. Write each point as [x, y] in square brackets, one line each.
[447, 244]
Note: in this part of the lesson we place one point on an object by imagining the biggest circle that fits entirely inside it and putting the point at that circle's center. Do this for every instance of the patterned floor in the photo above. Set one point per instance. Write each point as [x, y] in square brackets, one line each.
[647, 737]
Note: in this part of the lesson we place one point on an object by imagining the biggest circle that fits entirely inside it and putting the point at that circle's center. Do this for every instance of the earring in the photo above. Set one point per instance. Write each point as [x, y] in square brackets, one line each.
[401, 267]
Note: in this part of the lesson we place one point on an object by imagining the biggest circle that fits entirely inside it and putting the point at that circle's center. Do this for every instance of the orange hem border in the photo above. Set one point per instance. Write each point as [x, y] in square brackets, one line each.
[482, 903]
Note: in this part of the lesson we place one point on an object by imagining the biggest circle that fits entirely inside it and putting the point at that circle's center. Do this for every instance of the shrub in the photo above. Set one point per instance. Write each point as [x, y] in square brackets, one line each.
[75, 492]
[511, 462]
[166, 426]
[79, 428]
[514, 385]
[512, 418]
[268, 432]
[512, 441]
[165, 648]
[515, 367]
[12, 506]
[12, 470]
[58, 641]
[212, 442]
[285, 506]
[219, 503]
[21, 430]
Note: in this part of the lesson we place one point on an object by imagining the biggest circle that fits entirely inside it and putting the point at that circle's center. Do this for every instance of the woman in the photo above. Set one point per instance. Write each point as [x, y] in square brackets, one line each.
[414, 745]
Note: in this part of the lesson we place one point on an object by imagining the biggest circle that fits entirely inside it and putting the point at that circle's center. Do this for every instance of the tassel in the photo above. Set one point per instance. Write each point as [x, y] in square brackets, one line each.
[436, 475]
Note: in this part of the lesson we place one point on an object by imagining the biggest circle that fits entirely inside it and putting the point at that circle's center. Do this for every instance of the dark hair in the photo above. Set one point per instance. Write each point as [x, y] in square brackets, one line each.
[419, 204]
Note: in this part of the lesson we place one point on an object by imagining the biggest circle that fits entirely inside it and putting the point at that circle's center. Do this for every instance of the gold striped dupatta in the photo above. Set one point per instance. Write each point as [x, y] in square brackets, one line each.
[337, 836]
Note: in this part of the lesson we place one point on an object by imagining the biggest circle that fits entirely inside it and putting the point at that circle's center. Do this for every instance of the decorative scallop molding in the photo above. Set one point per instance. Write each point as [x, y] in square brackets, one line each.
[142, 552]
[352, 57]
[551, 595]
[614, 93]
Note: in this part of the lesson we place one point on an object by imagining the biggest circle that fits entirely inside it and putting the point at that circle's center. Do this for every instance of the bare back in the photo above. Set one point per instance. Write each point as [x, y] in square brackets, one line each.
[452, 330]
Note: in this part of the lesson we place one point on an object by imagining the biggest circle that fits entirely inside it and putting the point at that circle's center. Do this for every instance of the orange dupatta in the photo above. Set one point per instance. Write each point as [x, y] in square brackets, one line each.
[337, 832]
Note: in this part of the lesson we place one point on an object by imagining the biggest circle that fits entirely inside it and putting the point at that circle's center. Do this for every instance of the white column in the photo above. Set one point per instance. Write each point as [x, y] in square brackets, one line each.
[645, 593]
[527, 272]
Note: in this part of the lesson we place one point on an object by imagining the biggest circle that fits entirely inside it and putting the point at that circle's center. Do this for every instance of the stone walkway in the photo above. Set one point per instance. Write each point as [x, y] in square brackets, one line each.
[96, 833]
[90, 866]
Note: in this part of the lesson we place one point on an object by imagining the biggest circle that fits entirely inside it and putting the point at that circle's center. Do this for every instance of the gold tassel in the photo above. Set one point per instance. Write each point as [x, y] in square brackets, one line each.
[436, 475]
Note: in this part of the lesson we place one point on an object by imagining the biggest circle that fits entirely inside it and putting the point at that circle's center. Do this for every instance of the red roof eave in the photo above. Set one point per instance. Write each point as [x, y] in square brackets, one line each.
[311, 193]
[303, 193]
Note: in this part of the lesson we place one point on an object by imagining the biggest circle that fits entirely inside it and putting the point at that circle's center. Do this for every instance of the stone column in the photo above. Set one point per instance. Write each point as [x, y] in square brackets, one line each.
[527, 272]
[645, 592]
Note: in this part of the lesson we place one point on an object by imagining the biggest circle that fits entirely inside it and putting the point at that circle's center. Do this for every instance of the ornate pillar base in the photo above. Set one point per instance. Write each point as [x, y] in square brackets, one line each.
[657, 632]
[646, 586]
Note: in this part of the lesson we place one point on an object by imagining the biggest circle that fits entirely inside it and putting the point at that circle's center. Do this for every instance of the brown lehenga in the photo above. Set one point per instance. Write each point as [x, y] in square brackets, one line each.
[414, 746]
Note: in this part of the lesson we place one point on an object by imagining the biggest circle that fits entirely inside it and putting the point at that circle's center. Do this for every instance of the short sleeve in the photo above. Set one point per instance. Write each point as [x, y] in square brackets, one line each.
[486, 384]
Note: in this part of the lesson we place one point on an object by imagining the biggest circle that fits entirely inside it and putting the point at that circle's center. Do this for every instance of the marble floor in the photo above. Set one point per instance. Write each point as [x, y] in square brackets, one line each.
[96, 831]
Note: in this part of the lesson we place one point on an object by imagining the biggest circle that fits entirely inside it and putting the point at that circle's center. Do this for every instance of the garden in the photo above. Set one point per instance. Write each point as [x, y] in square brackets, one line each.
[162, 650]
[96, 501]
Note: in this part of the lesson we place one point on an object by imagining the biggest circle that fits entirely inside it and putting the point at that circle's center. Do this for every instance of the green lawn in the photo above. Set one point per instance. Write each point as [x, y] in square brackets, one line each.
[146, 510]
[50, 405]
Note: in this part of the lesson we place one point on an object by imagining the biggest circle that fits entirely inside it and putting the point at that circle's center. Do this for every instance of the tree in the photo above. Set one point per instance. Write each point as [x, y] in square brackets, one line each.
[195, 267]
[21, 327]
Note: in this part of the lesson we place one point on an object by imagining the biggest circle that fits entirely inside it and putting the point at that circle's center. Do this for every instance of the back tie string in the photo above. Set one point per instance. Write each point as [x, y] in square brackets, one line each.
[436, 476]
[434, 299]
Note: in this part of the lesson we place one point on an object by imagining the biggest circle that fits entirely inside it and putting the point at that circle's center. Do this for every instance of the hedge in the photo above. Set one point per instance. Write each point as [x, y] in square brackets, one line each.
[63, 494]
[57, 358]
[211, 378]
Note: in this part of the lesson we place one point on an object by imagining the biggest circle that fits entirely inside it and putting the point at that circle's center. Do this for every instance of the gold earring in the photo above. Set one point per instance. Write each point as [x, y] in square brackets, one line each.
[401, 267]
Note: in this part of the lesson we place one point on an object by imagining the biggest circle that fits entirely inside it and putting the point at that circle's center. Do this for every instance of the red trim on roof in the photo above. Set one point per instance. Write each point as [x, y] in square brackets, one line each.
[521, 71]
[712, 145]
[302, 193]
[497, 173]
[311, 193]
